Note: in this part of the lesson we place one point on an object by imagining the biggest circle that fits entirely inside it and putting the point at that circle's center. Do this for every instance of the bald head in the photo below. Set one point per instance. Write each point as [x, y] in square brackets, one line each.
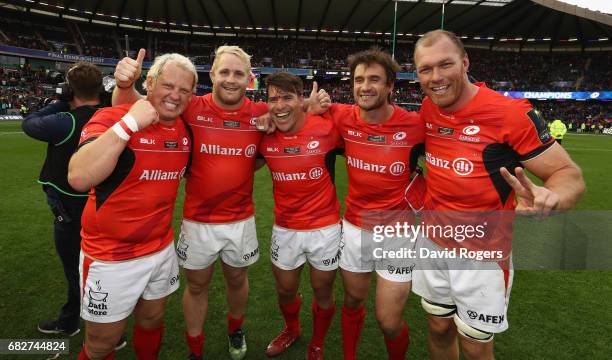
[432, 37]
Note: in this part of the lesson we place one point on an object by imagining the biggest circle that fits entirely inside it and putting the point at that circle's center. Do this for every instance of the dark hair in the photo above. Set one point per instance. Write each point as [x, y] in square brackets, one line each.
[286, 82]
[374, 56]
[85, 79]
[433, 36]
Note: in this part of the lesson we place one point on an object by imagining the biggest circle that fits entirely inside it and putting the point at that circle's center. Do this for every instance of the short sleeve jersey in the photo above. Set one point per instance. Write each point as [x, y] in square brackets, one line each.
[464, 152]
[301, 165]
[220, 181]
[379, 158]
[129, 214]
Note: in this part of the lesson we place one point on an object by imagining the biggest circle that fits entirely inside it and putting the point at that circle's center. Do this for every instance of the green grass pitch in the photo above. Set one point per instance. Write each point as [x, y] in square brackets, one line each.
[553, 314]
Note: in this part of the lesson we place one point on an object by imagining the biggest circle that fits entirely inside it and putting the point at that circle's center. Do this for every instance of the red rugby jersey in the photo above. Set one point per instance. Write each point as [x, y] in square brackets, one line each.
[302, 168]
[379, 158]
[465, 150]
[220, 181]
[129, 214]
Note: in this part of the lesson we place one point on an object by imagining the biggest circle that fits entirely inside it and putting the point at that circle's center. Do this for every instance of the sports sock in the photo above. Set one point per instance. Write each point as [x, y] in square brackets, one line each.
[291, 313]
[352, 324]
[398, 346]
[234, 324]
[147, 342]
[195, 343]
[83, 354]
[321, 320]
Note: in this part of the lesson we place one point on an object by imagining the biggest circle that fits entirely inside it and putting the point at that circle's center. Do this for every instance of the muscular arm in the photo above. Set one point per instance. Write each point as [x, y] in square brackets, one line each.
[95, 161]
[127, 95]
[559, 174]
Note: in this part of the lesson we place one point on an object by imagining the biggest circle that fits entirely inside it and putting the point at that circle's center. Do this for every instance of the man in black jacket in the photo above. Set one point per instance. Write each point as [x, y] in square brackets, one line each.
[59, 124]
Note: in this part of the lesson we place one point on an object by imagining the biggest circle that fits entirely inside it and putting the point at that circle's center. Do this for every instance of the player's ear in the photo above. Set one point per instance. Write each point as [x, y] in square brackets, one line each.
[149, 83]
[466, 62]
[212, 76]
[391, 85]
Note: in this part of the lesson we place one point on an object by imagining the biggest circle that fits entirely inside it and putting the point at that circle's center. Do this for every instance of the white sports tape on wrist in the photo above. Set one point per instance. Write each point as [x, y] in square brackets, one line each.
[130, 122]
[120, 132]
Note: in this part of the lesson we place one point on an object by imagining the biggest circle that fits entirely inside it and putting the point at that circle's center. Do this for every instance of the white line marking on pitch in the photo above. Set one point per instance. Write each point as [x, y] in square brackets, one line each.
[585, 134]
[11, 132]
[587, 149]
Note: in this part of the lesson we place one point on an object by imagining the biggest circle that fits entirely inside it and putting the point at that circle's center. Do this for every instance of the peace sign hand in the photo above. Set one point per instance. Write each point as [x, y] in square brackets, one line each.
[531, 199]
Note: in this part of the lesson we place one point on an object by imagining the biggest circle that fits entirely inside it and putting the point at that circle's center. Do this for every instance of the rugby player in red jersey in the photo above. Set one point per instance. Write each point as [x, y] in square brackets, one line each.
[475, 139]
[218, 213]
[382, 144]
[132, 157]
[301, 157]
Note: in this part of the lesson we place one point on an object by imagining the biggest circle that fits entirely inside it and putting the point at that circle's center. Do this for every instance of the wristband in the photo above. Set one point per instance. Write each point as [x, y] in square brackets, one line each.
[118, 129]
[130, 122]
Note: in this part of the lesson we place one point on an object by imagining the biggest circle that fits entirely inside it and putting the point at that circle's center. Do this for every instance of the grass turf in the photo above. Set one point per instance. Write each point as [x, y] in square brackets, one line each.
[553, 314]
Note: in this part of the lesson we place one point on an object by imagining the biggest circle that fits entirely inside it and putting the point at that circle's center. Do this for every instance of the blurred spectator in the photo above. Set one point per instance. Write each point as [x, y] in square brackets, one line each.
[23, 89]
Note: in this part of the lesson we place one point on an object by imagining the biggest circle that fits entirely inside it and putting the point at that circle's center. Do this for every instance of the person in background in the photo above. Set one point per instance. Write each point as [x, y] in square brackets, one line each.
[59, 124]
[558, 130]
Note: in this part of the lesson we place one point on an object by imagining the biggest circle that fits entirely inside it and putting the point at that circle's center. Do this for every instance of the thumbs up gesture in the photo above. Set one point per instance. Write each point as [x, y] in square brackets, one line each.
[319, 100]
[128, 70]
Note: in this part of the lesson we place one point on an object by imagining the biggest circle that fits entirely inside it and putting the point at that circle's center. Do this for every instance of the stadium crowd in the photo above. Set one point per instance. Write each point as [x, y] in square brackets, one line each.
[502, 70]
[21, 89]
[28, 87]
[25, 89]
[578, 116]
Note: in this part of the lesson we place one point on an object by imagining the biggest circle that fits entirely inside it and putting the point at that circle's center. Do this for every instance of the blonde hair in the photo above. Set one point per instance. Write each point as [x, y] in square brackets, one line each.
[181, 61]
[234, 50]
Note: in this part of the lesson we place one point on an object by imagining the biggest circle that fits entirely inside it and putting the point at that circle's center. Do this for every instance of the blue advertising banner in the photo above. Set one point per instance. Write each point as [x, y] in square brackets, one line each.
[271, 70]
[563, 95]
[406, 76]
[13, 50]
[48, 55]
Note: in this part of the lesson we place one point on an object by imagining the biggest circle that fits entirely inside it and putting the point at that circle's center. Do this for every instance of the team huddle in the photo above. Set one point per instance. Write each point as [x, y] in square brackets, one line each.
[474, 142]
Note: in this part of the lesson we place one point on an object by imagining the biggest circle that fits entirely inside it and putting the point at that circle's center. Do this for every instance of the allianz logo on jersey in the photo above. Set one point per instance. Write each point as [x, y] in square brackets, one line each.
[157, 175]
[214, 149]
[312, 174]
[461, 166]
[397, 168]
